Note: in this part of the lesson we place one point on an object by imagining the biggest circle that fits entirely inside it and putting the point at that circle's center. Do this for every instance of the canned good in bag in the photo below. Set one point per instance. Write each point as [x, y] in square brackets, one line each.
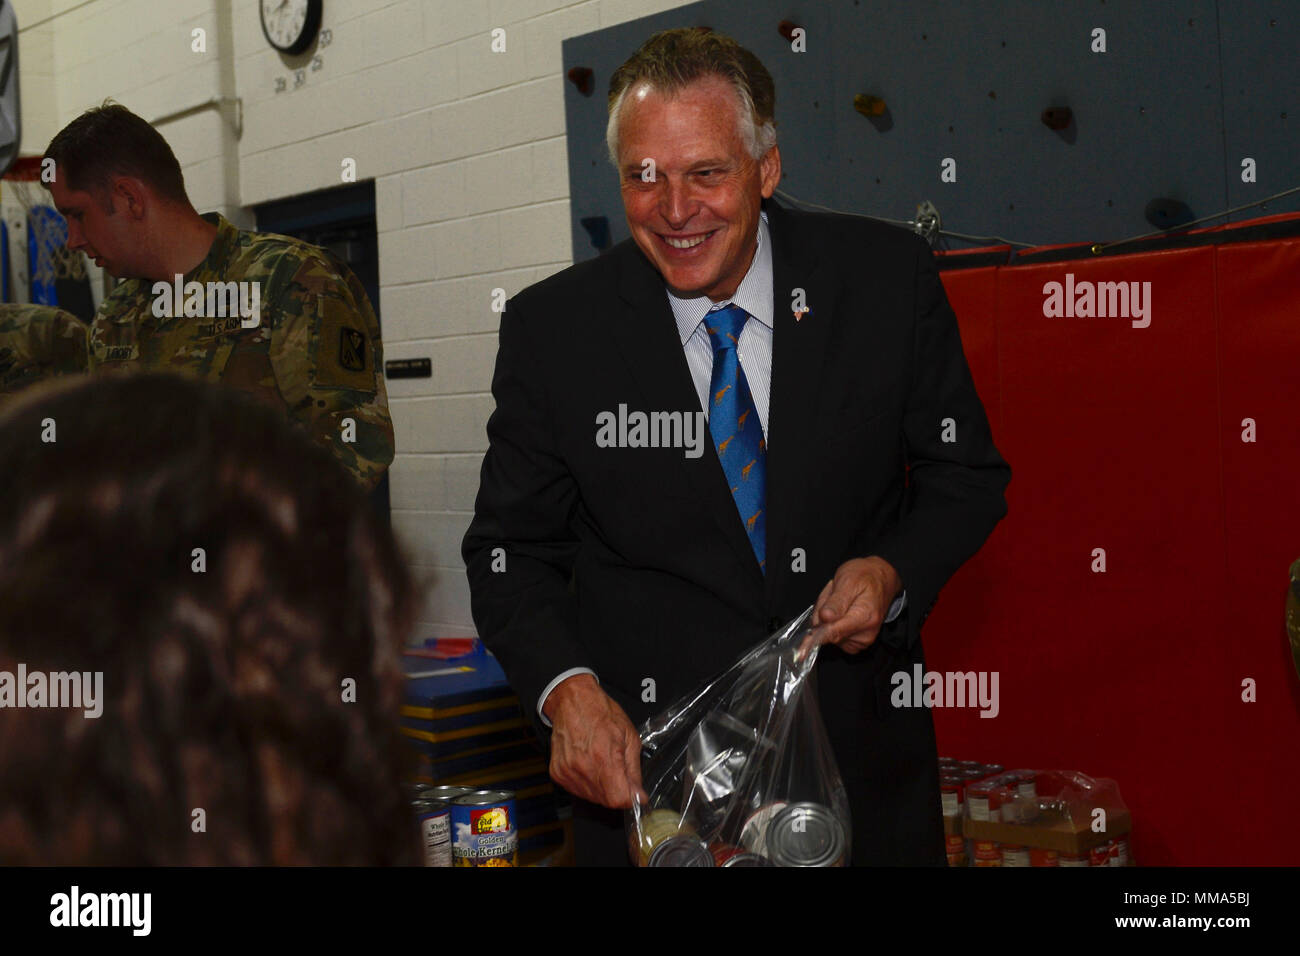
[753, 835]
[683, 850]
[806, 834]
[658, 826]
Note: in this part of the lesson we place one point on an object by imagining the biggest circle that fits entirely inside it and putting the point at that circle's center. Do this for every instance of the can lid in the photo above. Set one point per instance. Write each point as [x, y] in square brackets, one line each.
[805, 834]
[428, 805]
[746, 859]
[681, 851]
[445, 791]
[483, 798]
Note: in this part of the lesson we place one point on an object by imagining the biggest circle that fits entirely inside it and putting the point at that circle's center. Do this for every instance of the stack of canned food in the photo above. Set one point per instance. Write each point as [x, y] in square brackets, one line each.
[1113, 852]
[461, 826]
[777, 834]
[975, 791]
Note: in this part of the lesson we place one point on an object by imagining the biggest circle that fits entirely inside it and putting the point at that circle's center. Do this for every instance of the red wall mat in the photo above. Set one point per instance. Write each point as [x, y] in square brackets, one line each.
[1114, 439]
[1258, 743]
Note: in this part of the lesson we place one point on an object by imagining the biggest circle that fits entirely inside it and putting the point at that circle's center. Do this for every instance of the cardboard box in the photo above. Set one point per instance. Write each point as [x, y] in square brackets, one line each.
[1064, 837]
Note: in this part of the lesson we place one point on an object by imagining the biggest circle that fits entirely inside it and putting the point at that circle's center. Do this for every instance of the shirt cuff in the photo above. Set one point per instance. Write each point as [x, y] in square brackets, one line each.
[895, 609]
[571, 672]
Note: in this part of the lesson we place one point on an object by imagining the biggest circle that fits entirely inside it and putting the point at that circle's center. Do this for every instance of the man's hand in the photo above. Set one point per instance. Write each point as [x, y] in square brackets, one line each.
[595, 750]
[851, 608]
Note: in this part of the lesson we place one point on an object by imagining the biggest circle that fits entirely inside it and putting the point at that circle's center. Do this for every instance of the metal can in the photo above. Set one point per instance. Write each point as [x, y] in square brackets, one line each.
[1008, 808]
[746, 859]
[722, 852]
[1027, 785]
[483, 827]
[682, 850]
[1039, 857]
[435, 830]
[1073, 859]
[806, 834]
[979, 802]
[1099, 855]
[658, 826]
[1015, 855]
[446, 792]
[1118, 852]
[986, 853]
[416, 791]
[956, 849]
[753, 835]
[950, 794]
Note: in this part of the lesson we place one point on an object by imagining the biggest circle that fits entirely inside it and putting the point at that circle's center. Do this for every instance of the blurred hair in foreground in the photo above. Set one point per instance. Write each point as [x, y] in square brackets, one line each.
[223, 688]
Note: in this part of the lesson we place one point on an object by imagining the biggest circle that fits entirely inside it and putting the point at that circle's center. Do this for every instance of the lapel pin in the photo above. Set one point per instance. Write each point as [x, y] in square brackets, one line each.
[800, 313]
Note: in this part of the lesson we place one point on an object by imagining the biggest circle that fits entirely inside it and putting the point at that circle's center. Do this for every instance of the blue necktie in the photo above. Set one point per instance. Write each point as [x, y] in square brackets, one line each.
[737, 432]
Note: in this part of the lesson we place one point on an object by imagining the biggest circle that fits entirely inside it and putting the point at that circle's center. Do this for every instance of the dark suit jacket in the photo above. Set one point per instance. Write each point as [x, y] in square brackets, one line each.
[634, 562]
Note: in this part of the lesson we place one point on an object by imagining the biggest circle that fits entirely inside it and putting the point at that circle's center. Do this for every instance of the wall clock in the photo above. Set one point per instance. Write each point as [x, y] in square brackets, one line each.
[290, 25]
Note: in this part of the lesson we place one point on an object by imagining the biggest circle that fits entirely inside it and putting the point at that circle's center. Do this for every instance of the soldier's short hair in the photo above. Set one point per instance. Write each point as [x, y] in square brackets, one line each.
[673, 59]
[225, 684]
[110, 140]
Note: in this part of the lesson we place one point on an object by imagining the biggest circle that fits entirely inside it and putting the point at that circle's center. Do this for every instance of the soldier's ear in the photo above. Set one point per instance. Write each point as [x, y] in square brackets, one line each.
[130, 196]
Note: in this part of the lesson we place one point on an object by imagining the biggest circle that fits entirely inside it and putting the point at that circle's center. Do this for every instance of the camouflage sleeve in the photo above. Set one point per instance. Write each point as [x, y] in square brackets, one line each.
[39, 342]
[328, 362]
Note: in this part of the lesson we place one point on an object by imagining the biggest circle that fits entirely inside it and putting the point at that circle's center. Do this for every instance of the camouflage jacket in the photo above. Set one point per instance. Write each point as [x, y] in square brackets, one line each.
[313, 350]
[37, 342]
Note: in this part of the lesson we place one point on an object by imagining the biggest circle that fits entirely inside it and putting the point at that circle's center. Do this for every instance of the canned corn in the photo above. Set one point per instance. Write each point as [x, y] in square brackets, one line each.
[483, 823]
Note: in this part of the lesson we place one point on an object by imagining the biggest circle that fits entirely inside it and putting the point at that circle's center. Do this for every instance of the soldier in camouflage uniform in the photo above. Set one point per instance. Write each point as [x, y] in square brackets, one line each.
[314, 350]
[38, 342]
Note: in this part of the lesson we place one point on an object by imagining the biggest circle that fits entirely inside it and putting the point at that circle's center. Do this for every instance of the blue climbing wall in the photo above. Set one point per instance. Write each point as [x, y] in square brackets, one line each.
[1183, 94]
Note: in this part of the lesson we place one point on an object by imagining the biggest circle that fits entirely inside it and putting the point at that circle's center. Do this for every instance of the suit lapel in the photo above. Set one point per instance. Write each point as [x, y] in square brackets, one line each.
[798, 354]
[646, 337]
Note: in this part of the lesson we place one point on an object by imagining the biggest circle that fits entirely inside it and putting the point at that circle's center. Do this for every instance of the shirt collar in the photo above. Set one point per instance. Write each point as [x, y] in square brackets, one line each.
[222, 250]
[754, 294]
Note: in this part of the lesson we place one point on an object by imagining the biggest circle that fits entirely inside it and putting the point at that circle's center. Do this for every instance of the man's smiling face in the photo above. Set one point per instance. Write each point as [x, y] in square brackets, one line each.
[697, 221]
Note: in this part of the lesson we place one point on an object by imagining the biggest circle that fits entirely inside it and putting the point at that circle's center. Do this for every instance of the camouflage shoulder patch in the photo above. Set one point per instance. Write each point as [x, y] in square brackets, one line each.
[344, 358]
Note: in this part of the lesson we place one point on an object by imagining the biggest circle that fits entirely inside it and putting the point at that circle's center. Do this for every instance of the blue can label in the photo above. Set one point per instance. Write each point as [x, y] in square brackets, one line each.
[485, 835]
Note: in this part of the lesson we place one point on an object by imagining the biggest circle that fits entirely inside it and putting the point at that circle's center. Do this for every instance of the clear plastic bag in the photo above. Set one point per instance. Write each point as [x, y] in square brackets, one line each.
[740, 772]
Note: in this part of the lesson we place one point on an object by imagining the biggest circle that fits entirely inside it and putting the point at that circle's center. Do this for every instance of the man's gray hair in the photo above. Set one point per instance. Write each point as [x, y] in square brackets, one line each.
[673, 59]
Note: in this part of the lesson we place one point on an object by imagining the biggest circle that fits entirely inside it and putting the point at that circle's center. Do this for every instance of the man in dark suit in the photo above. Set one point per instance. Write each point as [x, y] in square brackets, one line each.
[622, 551]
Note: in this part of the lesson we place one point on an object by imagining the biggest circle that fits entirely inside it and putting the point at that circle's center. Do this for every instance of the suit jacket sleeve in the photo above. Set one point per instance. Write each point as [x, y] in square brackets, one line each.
[954, 496]
[520, 596]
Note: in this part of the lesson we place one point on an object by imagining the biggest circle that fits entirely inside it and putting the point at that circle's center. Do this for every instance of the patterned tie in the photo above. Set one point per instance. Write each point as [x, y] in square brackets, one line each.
[736, 430]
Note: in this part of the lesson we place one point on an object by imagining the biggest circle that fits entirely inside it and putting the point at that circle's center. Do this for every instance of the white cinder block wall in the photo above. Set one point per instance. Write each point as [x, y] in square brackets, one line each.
[466, 148]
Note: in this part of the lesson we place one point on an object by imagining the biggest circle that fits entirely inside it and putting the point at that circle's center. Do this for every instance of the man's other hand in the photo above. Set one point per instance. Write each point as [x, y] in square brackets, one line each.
[851, 608]
[595, 750]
